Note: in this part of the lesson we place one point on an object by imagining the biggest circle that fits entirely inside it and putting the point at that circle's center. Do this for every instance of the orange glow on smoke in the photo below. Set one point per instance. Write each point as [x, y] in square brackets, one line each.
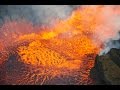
[66, 46]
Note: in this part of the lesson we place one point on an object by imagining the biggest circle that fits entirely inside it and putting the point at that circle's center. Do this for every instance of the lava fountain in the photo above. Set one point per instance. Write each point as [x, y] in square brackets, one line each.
[66, 49]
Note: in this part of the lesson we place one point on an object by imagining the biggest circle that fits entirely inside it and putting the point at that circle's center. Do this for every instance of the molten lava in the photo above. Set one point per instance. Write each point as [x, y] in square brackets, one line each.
[69, 46]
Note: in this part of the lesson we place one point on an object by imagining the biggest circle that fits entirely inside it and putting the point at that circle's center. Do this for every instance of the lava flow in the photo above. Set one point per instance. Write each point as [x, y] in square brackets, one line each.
[65, 50]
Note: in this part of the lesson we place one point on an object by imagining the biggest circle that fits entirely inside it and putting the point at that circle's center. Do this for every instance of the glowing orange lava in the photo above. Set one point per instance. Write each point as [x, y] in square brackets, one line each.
[72, 37]
[68, 45]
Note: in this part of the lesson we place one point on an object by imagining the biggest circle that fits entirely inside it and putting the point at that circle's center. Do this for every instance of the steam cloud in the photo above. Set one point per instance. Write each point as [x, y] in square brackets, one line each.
[108, 31]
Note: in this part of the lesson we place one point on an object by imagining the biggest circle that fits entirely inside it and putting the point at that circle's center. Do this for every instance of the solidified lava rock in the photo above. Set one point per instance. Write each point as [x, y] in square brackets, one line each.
[106, 70]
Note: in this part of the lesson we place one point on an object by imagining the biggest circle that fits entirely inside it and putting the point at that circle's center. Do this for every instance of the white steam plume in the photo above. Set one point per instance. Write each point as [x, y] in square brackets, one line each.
[108, 30]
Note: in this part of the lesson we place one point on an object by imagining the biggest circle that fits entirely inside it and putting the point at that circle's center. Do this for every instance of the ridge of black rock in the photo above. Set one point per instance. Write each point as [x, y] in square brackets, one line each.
[106, 70]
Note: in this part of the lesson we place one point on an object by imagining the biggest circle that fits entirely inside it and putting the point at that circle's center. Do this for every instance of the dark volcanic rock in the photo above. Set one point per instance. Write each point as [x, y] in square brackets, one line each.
[107, 68]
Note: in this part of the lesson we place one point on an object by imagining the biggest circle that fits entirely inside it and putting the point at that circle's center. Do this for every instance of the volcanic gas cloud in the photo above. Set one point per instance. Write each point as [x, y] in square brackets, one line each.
[66, 49]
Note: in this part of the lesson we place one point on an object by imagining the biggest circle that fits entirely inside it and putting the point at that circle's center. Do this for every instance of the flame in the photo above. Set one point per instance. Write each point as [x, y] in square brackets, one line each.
[67, 46]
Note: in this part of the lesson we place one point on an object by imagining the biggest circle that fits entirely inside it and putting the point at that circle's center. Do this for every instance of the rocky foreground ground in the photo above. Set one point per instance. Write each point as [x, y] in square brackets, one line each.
[106, 70]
